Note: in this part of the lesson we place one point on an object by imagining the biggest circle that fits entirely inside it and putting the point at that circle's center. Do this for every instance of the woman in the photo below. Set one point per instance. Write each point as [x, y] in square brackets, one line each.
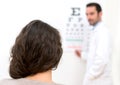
[36, 52]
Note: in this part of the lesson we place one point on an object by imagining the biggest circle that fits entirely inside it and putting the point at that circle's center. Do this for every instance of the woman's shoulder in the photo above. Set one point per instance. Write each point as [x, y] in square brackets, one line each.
[12, 82]
[7, 82]
[23, 81]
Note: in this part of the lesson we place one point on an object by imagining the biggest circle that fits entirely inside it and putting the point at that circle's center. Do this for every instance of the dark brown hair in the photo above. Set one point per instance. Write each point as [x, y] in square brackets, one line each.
[97, 6]
[37, 49]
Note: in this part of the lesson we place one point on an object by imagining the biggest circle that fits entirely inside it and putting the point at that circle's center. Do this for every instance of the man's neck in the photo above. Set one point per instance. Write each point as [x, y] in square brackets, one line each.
[96, 23]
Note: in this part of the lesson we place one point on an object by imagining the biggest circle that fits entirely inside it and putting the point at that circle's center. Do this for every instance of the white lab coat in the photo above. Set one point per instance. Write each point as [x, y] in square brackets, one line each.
[98, 71]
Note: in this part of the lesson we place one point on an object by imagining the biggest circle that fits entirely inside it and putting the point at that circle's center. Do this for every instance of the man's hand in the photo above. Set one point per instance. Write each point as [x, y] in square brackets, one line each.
[78, 53]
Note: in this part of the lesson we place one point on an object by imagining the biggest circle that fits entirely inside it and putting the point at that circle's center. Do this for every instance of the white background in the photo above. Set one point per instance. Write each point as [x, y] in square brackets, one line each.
[14, 15]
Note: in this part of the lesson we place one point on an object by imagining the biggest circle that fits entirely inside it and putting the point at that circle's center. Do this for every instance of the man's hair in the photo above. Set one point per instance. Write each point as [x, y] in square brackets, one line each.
[37, 49]
[97, 6]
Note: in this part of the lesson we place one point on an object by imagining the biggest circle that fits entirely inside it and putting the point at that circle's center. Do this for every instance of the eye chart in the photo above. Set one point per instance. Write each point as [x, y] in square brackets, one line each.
[77, 32]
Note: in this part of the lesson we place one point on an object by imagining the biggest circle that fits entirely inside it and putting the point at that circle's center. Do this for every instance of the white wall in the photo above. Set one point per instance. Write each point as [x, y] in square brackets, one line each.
[112, 20]
[16, 14]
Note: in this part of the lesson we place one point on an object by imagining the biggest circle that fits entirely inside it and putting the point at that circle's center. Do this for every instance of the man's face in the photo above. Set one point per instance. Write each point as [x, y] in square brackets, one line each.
[92, 15]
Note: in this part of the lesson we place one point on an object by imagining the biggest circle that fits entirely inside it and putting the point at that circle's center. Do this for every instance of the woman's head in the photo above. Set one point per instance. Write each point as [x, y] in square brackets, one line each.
[37, 49]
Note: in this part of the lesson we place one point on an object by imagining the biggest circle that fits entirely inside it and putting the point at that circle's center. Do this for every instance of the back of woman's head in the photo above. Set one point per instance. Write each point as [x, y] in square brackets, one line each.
[37, 49]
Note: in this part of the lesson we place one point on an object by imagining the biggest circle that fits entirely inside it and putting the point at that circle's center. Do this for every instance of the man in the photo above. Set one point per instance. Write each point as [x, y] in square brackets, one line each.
[98, 71]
